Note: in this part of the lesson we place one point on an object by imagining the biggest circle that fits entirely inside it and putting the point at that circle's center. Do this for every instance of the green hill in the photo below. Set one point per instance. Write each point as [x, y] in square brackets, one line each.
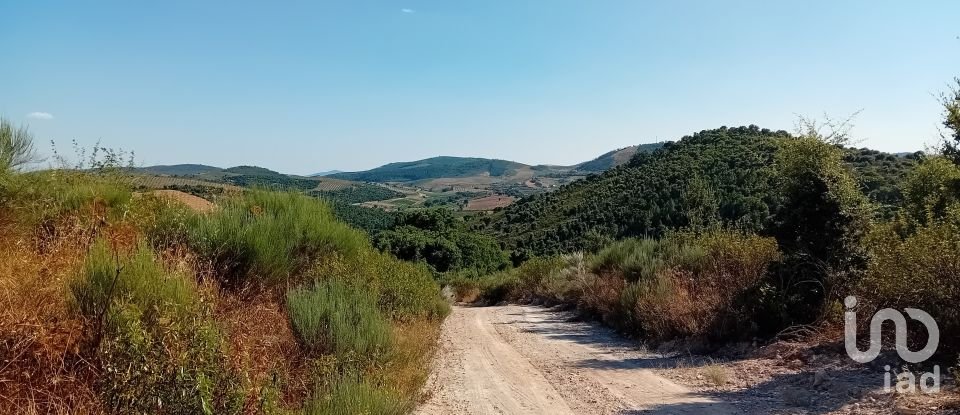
[724, 175]
[433, 168]
[252, 171]
[180, 169]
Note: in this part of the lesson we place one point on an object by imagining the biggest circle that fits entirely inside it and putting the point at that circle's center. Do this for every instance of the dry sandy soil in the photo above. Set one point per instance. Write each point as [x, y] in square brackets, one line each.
[527, 360]
[196, 203]
[531, 360]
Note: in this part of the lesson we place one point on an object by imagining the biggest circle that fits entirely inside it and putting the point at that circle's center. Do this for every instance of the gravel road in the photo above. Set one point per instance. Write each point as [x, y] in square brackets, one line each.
[529, 360]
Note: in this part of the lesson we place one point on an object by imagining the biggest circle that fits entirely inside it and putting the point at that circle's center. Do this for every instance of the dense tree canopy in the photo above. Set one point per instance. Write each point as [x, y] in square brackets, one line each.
[721, 176]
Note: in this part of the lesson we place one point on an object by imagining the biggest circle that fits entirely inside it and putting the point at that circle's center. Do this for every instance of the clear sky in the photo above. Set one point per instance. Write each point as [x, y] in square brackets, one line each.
[308, 86]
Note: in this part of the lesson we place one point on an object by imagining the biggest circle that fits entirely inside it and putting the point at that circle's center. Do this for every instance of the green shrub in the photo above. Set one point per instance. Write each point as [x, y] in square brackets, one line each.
[641, 259]
[109, 277]
[404, 290]
[40, 197]
[158, 348]
[269, 236]
[349, 397]
[333, 317]
[920, 271]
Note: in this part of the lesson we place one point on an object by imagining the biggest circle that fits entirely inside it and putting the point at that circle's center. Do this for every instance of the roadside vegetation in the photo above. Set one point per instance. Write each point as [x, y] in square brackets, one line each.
[115, 301]
[738, 234]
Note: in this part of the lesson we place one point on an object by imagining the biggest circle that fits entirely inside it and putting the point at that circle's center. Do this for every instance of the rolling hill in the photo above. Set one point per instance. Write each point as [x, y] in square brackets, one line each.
[723, 175]
[615, 158]
[433, 168]
[180, 169]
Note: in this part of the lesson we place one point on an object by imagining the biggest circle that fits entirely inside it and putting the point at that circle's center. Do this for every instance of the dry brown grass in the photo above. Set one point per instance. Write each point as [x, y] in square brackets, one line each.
[416, 343]
[262, 346]
[716, 374]
[41, 342]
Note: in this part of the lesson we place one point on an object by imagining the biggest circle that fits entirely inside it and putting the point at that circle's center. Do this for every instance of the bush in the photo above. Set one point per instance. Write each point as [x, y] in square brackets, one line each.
[350, 397]
[158, 347]
[920, 271]
[641, 259]
[266, 236]
[332, 317]
[137, 278]
[45, 196]
[404, 290]
[684, 285]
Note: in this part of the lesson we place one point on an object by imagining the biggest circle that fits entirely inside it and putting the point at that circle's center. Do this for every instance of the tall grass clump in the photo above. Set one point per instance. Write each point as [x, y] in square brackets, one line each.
[332, 317]
[641, 259]
[349, 397]
[48, 197]
[158, 348]
[267, 236]
[405, 291]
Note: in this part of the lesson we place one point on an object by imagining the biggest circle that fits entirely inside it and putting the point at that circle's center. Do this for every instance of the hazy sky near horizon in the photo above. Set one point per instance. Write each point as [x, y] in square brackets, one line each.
[302, 87]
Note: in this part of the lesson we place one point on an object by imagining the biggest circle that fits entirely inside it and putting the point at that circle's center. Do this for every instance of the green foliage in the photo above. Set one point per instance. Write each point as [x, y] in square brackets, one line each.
[715, 177]
[358, 194]
[930, 189]
[820, 228]
[436, 220]
[270, 181]
[159, 349]
[333, 317]
[16, 147]
[137, 278]
[951, 121]
[40, 197]
[350, 397]
[683, 285]
[264, 235]
[880, 176]
[404, 290]
[641, 259]
[252, 171]
[721, 175]
[371, 220]
[436, 237]
[921, 270]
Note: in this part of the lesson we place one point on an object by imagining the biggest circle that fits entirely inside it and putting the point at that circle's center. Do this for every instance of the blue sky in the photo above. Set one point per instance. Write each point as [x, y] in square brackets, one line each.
[308, 86]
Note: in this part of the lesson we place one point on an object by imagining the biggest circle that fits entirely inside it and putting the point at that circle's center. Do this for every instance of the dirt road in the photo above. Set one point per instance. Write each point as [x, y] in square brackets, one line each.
[528, 360]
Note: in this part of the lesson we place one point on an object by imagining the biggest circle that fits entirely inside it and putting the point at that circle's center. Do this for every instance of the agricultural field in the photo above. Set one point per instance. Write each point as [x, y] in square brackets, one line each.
[489, 202]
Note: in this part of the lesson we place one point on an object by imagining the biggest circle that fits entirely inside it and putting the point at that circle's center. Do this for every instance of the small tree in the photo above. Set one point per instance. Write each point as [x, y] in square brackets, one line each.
[821, 221]
[951, 120]
[931, 189]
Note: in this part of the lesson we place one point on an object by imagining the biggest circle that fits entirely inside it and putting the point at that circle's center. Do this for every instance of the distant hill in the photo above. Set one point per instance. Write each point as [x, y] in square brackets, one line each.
[325, 173]
[252, 171]
[615, 158]
[180, 169]
[433, 168]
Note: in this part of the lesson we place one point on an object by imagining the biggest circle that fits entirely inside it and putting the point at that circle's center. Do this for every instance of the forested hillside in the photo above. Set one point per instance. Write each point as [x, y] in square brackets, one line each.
[720, 176]
[431, 168]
